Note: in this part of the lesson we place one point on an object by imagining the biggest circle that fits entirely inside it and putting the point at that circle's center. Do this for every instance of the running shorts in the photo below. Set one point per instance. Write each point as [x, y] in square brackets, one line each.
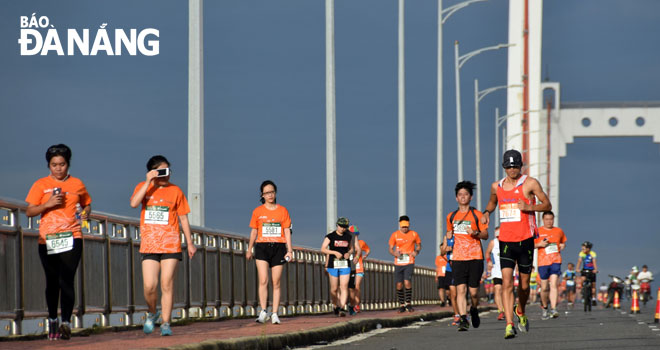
[441, 282]
[521, 253]
[468, 272]
[161, 256]
[338, 272]
[351, 281]
[552, 269]
[403, 273]
[273, 253]
[449, 279]
[589, 274]
[497, 281]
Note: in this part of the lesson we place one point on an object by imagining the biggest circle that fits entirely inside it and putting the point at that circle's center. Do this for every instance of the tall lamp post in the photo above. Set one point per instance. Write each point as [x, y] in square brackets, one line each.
[443, 15]
[330, 136]
[459, 61]
[478, 96]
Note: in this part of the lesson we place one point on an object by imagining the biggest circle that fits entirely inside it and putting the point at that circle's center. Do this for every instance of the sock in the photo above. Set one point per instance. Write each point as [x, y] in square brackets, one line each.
[399, 295]
[408, 296]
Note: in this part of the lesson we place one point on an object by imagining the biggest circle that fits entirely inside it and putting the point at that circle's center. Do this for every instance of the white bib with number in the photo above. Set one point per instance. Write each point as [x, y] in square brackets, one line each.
[271, 229]
[444, 269]
[340, 263]
[509, 212]
[403, 259]
[551, 248]
[157, 215]
[570, 283]
[460, 227]
[59, 242]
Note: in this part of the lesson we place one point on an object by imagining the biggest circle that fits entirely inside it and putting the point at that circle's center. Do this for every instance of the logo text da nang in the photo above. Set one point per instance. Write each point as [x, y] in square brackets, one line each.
[39, 36]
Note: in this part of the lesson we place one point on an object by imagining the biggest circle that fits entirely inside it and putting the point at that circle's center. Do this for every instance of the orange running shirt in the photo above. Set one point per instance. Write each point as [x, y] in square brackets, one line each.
[440, 266]
[466, 247]
[516, 225]
[270, 224]
[61, 218]
[406, 244]
[359, 268]
[550, 254]
[159, 219]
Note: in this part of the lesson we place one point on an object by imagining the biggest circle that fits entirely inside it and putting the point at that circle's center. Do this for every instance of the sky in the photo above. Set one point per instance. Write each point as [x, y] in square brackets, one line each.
[264, 64]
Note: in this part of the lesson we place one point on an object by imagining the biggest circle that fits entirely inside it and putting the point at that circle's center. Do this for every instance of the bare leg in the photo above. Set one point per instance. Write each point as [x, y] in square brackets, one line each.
[358, 293]
[167, 273]
[507, 293]
[545, 293]
[498, 297]
[461, 289]
[523, 291]
[453, 297]
[150, 271]
[343, 289]
[334, 285]
[474, 296]
[553, 291]
[262, 271]
[276, 273]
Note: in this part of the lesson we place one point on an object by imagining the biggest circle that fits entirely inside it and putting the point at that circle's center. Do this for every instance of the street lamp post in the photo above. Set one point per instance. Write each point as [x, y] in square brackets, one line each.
[459, 61]
[443, 15]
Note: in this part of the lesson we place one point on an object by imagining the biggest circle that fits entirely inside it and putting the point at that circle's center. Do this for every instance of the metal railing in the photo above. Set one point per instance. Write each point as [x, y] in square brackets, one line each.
[217, 282]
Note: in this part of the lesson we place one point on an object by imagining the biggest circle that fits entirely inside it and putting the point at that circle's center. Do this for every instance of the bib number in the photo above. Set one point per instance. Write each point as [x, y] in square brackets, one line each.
[509, 212]
[59, 242]
[444, 269]
[340, 263]
[460, 227]
[157, 215]
[271, 230]
[570, 283]
[552, 248]
[403, 259]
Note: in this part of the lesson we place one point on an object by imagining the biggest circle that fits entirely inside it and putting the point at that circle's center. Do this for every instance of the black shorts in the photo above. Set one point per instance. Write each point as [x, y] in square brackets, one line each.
[467, 272]
[570, 288]
[521, 253]
[441, 282]
[351, 280]
[497, 281]
[590, 275]
[449, 279]
[161, 256]
[403, 273]
[273, 253]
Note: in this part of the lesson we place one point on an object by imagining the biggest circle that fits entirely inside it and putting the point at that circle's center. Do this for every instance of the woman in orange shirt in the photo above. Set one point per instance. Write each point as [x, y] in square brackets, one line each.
[63, 202]
[271, 231]
[164, 207]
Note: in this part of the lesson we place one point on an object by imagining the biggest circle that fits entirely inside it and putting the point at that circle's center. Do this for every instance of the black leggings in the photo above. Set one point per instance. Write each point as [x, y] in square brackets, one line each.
[60, 272]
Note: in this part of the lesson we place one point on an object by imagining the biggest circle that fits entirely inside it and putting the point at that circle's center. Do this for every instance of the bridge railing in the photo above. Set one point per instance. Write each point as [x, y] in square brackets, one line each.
[217, 282]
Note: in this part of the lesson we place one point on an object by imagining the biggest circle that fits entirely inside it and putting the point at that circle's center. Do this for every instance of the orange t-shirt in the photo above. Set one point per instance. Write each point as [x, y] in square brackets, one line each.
[159, 218]
[270, 224]
[359, 268]
[406, 244]
[550, 254]
[61, 218]
[466, 247]
[440, 266]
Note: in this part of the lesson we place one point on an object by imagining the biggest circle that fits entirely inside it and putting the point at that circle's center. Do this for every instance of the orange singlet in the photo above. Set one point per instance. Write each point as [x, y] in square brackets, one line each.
[515, 225]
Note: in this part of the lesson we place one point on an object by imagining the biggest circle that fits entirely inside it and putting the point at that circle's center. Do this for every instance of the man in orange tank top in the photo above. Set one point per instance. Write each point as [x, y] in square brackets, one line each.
[516, 196]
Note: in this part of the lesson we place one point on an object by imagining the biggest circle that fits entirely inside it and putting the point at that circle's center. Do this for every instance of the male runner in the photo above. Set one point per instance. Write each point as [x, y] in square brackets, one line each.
[515, 195]
[468, 257]
[569, 276]
[405, 245]
[447, 249]
[550, 242]
[588, 267]
[440, 268]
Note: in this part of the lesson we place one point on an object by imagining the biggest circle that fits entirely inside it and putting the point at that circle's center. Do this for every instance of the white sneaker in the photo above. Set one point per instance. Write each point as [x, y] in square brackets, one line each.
[274, 318]
[263, 317]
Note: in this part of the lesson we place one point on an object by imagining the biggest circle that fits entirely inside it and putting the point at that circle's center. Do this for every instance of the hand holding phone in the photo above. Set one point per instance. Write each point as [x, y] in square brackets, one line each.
[163, 172]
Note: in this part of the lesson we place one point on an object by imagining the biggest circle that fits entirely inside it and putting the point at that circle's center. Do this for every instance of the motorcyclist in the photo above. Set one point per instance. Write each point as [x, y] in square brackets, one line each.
[645, 277]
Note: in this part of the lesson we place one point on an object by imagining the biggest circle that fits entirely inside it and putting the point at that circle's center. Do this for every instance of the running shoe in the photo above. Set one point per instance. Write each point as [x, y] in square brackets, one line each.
[544, 314]
[165, 329]
[523, 322]
[148, 326]
[351, 311]
[65, 331]
[500, 316]
[554, 313]
[509, 331]
[53, 330]
[336, 311]
[263, 317]
[594, 302]
[442, 304]
[463, 324]
[274, 318]
[409, 308]
[457, 319]
[357, 308]
[342, 312]
[402, 309]
[474, 316]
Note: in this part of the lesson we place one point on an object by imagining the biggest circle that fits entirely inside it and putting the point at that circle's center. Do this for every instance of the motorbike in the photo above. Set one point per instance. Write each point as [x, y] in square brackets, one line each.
[645, 291]
[617, 285]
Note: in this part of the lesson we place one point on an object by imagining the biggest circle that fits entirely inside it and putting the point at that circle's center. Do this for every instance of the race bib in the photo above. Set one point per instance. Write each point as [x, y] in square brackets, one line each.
[59, 242]
[403, 259]
[271, 230]
[509, 212]
[157, 215]
[460, 227]
[570, 283]
[444, 269]
[552, 248]
[357, 266]
[340, 263]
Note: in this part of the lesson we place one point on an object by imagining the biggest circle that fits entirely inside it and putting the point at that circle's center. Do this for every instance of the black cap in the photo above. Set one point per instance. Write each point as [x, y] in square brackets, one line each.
[512, 158]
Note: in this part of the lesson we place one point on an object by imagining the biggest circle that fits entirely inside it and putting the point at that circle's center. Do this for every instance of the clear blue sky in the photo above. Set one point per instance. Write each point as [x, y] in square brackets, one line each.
[265, 111]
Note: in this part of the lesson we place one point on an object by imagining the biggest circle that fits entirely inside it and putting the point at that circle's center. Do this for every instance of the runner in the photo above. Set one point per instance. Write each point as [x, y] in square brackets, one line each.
[467, 258]
[270, 235]
[405, 245]
[440, 268]
[493, 261]
[358, 274]
[164, 206]
[447, 248]
[339, 246]
[515, 195]
[57, 198]
[588, 267]
[569, 276]
[550, 242]
[488, 286]
[533, 285]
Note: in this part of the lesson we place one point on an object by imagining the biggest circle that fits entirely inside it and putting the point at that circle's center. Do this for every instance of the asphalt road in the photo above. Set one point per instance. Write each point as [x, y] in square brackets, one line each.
[600, 329]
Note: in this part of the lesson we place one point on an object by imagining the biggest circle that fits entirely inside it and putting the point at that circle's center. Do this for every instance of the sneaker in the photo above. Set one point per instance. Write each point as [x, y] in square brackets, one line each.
[474, 316]
[165, 329]
[356, 308]
[594, 302]
[463, 324]
[65, 331]
[500, 316]
[509, 331]
[148, 326]
[523, 322]
[336, 311]
[544, 314]
[442, 304]
[409, 308]
[274, 318]
[53, 329]
[554, 313]
[351, 311]
[342, 312]
[263, 317]
[401, 309]
[457, 319]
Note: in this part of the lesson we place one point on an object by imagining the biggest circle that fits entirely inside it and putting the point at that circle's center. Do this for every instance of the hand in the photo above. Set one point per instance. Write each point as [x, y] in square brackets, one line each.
[290, 255]
[544, 243]
[485, 218]
[471, 232]
[490, 265]
[450, 249]
[347, 255]
[523, 206]
[54, 201]
[338, 255]
[595, 270]
[355, 260]
[414, 253]
[151, 175]
[191, 250]
[248, 254]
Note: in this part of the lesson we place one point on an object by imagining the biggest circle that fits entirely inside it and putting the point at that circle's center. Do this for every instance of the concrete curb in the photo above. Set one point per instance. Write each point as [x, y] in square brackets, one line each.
[313, 336]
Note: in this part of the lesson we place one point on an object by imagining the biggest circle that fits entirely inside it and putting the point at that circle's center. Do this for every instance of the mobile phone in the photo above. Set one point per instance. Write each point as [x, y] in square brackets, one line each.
[163, 172]
[57, 191]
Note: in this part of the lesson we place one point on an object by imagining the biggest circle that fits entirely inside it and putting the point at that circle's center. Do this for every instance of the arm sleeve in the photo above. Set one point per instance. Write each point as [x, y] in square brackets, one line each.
[182, 207]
